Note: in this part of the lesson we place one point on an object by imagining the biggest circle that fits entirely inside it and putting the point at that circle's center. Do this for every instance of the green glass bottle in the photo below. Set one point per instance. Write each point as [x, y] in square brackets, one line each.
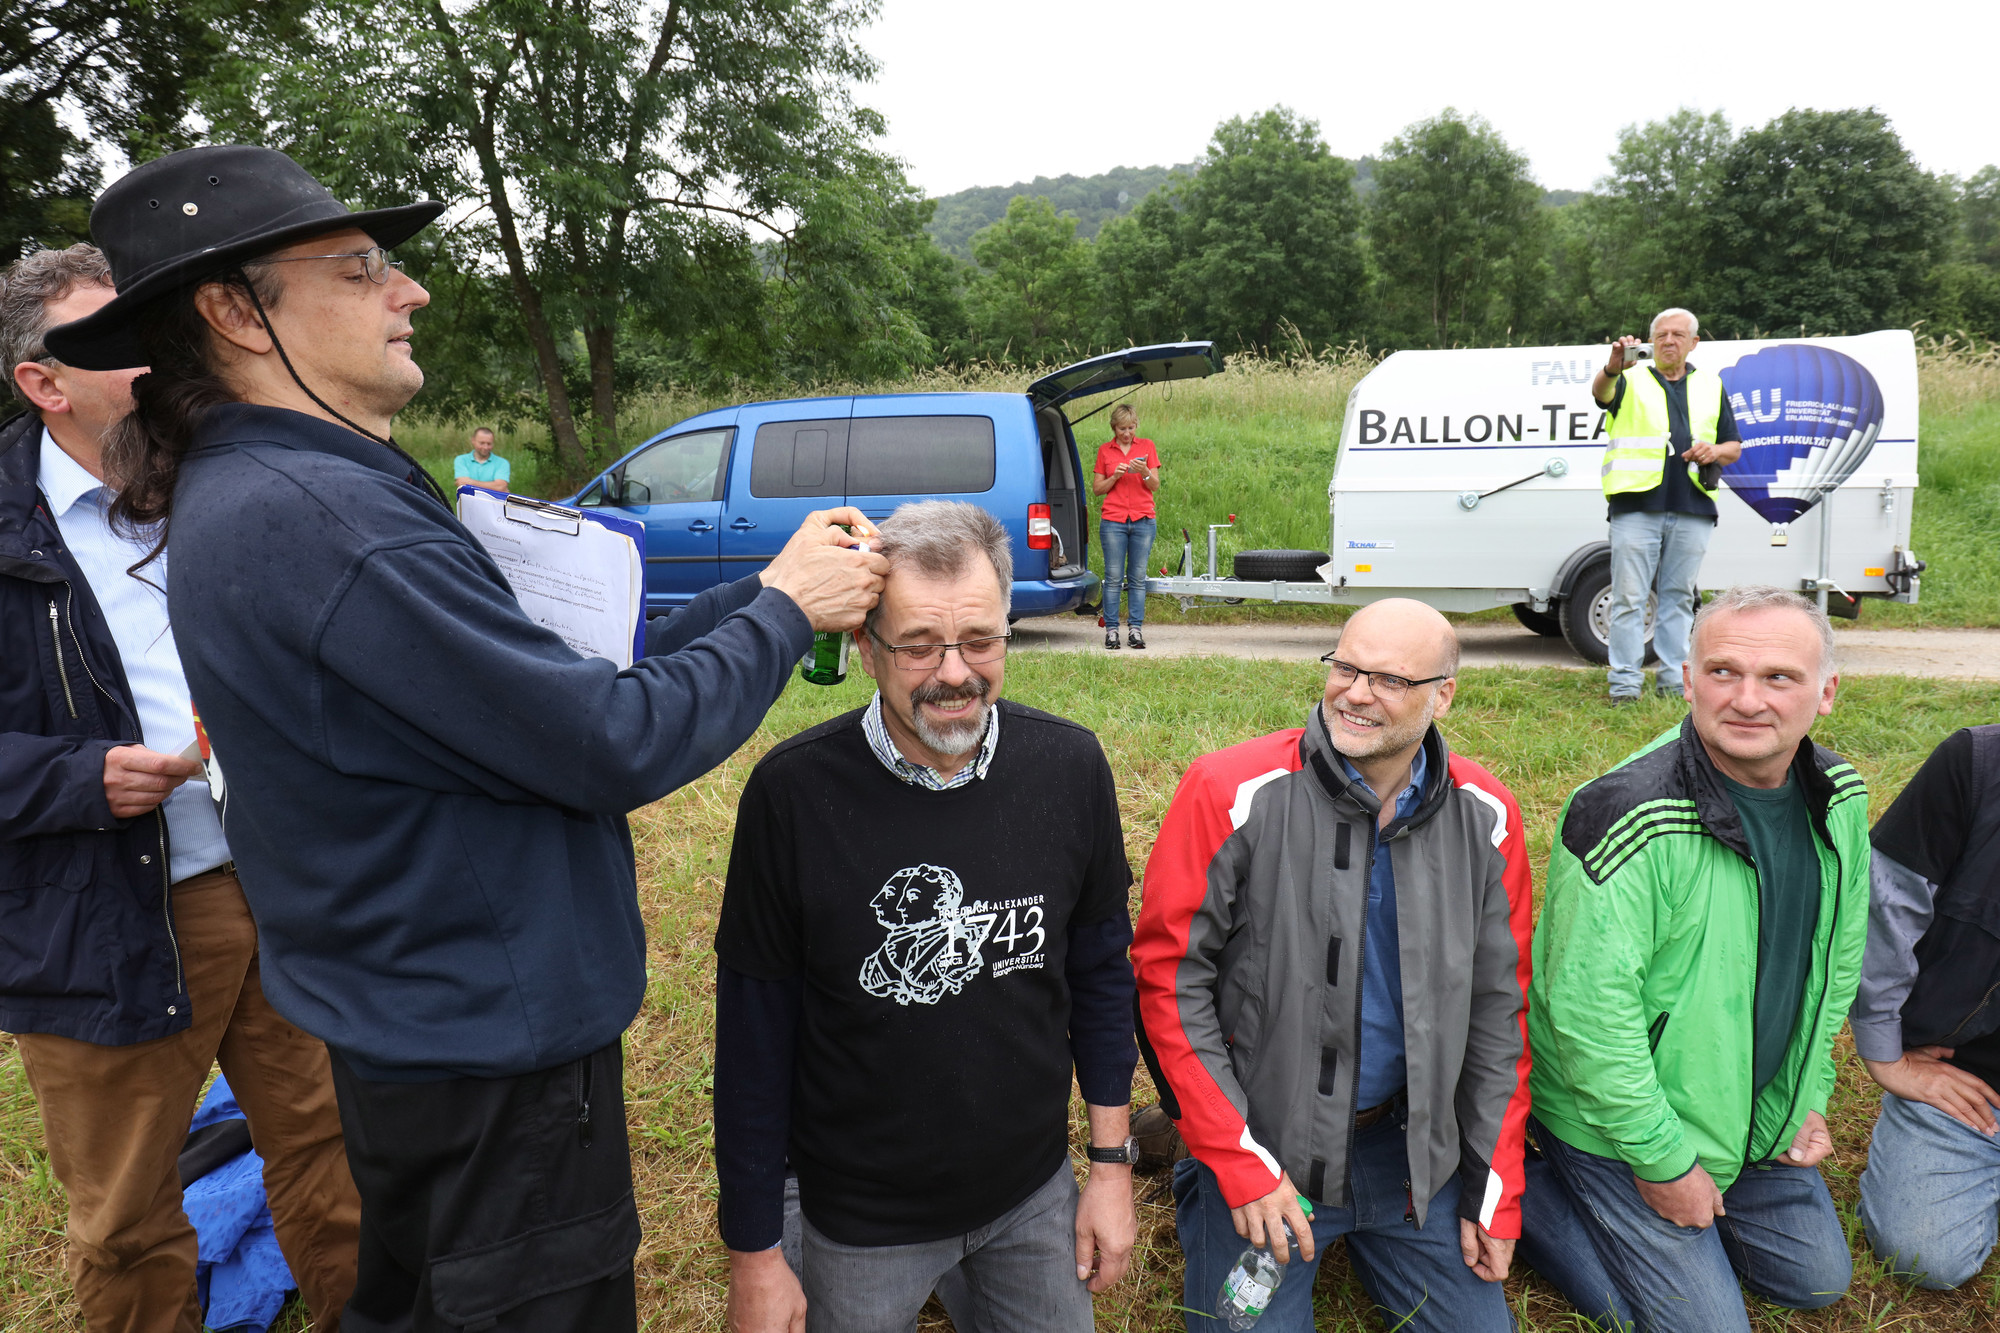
[826, 664]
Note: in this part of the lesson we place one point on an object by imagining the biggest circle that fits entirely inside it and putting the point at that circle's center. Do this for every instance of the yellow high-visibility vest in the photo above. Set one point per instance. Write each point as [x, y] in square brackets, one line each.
[1636, 457]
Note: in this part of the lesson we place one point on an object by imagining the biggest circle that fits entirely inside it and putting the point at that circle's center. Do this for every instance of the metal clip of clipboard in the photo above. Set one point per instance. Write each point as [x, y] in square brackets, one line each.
[542, 515]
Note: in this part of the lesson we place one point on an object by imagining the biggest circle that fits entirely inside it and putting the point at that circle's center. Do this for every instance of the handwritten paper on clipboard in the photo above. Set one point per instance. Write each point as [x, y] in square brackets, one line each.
[579, 574]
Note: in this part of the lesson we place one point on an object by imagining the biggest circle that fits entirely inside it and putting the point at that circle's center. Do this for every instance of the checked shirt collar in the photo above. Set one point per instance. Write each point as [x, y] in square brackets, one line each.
[922, 775]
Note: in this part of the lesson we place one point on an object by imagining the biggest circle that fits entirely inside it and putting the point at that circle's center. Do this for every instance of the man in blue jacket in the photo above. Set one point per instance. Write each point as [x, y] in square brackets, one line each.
[443, 884]
[128, 960]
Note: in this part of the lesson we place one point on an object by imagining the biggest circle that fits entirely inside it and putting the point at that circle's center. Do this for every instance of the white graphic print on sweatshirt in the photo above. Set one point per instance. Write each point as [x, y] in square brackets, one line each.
[935, 937]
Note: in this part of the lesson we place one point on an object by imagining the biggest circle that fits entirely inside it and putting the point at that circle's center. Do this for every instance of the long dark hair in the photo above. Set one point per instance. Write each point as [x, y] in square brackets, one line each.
[144, 451]
[169, 402]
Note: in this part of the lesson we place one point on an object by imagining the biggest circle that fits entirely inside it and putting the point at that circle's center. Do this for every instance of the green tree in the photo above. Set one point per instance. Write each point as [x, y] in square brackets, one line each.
[1139, 299]
[1454, 230]
[616, 157]
[1634, 247]
[1035, 292]
[1270, 234]
[125, 67]
[1979, 217]
[1822, 222]
[1137, 257]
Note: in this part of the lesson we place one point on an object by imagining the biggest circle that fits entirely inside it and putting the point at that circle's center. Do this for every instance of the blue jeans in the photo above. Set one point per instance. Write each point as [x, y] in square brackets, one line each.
[1585, 1228]
[1649, 551]
[1418, 1274]
[1930, 1198]
[1127, 546]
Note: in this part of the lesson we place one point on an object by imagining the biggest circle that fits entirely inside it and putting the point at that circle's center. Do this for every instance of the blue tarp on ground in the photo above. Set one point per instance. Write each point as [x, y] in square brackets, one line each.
[243, 1277]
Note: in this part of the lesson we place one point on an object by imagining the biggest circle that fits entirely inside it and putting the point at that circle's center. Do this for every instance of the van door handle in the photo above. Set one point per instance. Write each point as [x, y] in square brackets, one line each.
[701, 525]
[742, 525]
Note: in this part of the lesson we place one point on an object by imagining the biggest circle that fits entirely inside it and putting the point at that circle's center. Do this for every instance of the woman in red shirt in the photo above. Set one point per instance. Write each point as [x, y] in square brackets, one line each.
[1127, 474]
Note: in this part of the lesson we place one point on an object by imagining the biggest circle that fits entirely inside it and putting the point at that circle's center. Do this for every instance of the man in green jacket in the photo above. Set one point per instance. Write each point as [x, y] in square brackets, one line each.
[1699, 946]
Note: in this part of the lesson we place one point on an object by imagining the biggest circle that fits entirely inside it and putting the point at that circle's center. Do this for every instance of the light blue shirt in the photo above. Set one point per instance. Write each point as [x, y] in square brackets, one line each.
[495, 468]
[137, 615]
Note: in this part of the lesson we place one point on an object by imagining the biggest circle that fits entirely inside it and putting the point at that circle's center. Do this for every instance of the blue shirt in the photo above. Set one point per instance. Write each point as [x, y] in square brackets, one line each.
[137, 615]
[1381, 1071]
[495, 468]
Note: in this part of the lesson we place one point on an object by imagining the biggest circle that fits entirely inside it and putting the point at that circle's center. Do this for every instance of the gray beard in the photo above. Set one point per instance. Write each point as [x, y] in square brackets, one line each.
[955, 739]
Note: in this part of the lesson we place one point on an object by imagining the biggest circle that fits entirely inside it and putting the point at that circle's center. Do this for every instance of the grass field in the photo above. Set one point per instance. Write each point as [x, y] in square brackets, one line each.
[1541, 731]
[1258, 441]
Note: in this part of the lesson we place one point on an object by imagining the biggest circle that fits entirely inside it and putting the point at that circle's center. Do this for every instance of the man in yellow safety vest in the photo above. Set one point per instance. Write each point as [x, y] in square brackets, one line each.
[1670, 432]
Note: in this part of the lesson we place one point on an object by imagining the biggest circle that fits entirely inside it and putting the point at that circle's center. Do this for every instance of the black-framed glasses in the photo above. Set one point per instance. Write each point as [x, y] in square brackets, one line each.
[375, 262]
[930, 656]
[1384, 683]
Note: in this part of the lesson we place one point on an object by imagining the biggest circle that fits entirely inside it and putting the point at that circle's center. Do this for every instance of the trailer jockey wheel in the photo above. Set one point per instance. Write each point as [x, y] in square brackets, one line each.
[1586, 614]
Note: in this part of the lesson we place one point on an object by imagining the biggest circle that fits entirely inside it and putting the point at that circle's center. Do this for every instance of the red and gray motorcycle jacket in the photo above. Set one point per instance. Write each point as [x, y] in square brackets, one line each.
[1248, 953]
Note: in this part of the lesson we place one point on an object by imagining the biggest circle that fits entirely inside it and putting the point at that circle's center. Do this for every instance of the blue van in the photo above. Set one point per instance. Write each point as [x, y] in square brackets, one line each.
[720, 493]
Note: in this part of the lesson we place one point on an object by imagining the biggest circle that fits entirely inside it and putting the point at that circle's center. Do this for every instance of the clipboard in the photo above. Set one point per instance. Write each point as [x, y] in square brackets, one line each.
[577, 573]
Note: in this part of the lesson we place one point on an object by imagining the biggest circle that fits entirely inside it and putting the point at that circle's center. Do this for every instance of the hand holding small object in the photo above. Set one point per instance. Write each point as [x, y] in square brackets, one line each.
[137, 779]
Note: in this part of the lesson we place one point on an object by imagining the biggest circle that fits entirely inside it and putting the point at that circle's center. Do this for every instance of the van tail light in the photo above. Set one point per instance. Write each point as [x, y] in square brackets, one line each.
[1041, 533]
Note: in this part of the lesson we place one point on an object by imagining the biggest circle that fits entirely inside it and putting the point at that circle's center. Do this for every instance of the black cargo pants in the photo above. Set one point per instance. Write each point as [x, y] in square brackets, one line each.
[493, 1204]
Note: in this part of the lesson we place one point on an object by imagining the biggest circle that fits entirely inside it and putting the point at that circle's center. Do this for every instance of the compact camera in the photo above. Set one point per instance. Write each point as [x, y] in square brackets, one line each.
[1638, 352]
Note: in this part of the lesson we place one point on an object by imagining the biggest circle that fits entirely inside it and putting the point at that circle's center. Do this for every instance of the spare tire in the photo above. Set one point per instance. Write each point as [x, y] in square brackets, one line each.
[1279, 566]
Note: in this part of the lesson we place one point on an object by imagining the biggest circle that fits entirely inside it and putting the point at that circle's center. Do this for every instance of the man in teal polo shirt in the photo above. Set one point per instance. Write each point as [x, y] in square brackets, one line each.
[1668, 423]
[482, 467]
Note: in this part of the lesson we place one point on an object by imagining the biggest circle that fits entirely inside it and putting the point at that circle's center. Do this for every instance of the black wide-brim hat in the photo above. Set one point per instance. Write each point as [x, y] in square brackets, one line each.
[183, 218]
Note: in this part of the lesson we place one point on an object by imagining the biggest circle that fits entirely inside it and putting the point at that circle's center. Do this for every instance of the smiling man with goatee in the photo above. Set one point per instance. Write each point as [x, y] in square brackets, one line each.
[923, 938]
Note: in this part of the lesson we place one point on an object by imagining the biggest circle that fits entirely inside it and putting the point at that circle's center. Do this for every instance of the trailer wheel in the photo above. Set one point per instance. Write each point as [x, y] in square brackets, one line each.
[1586, 614]
[1279, 566]
[1545, 623]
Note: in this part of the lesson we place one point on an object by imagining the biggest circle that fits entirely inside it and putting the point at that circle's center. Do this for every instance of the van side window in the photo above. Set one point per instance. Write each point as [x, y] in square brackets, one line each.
[920, 456]
[792, 458]
[680, 469]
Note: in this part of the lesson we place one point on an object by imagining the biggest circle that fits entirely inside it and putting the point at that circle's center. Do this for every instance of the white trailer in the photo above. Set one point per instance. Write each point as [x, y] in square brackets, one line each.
[1469, 479]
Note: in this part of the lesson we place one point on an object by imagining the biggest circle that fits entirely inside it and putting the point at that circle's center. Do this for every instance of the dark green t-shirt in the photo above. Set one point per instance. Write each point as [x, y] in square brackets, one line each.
[1779, 829]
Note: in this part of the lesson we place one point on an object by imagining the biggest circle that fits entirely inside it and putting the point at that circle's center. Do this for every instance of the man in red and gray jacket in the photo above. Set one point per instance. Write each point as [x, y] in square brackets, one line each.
[1333, 954]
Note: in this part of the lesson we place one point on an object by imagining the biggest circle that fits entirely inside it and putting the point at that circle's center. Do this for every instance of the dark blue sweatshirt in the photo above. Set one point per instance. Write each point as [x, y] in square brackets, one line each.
[427, 790]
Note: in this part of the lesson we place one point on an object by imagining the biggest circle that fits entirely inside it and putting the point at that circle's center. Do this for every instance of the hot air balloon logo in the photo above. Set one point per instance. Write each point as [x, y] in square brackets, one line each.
[1808, 416]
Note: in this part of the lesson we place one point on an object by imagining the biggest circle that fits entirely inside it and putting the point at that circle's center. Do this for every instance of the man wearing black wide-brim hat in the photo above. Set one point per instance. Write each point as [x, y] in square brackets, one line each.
[443, 883]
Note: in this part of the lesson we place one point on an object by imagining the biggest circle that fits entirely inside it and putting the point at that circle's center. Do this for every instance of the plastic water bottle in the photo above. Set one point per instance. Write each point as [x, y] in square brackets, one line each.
[826, 664]
[1247, 1291]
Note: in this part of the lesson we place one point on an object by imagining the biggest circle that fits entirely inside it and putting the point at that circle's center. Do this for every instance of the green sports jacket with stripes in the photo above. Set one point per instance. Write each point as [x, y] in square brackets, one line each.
[1640, 1015]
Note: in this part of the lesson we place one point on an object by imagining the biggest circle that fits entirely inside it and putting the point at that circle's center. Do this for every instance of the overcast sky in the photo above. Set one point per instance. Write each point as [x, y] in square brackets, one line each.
[991, 94]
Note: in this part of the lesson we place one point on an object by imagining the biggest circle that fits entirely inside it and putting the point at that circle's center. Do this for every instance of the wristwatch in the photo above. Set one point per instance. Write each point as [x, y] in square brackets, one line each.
[1125, 1154]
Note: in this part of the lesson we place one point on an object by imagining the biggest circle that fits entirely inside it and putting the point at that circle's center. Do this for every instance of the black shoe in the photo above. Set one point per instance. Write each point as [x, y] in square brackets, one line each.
[1111, 637]
[1620, 700]
[1135, 638]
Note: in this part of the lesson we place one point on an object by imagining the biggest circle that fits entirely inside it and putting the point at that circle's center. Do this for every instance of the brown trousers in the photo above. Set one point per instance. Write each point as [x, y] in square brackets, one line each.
[115, 1118]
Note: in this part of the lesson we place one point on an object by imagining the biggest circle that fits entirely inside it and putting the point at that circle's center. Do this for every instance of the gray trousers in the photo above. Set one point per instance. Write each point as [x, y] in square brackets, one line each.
[1017, 1274]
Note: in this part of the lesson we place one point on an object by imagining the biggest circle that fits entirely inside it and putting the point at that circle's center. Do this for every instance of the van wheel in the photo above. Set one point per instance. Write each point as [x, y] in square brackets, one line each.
[1279, 566]
[1544, 623]
[1586, 614]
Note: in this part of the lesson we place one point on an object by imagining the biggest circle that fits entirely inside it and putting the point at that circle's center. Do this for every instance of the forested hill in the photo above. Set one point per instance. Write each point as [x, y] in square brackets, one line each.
[1094, 200]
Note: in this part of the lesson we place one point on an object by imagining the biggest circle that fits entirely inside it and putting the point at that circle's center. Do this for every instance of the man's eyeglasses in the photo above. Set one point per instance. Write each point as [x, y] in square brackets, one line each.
[375, 262]
[930, 656]
[1381, 682]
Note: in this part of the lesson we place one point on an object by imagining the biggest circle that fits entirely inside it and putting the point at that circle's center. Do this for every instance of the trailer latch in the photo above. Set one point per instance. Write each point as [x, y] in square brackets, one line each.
[1555, 467]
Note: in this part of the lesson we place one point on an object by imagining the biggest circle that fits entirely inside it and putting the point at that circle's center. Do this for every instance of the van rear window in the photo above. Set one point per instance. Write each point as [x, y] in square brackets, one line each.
[919, 455]
[792, 458]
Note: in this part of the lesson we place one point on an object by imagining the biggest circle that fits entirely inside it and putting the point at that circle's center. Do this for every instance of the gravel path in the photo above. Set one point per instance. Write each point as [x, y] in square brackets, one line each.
[1964, 653]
